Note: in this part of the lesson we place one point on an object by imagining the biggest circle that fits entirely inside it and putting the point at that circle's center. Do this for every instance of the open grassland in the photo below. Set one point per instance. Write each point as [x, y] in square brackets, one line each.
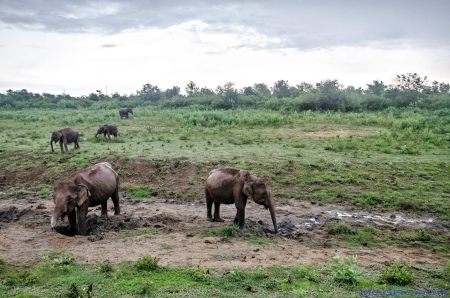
[393, 161]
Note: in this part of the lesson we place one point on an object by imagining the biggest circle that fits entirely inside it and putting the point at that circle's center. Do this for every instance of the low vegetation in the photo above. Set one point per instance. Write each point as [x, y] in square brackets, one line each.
[380, 152]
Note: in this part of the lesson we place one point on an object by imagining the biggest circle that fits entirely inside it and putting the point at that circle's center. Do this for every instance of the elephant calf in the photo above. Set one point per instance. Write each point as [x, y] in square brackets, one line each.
[65, 136]
[85, 188]
[230, 185]
[107, 129]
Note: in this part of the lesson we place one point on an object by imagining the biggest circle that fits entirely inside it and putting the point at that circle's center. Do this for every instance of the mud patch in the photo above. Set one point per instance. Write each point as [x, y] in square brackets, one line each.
[12, 214]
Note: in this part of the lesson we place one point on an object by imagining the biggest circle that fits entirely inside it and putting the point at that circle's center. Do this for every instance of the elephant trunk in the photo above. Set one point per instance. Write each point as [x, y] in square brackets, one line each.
[96, 134]
[54, 220]
[274, 219]
[51, 145]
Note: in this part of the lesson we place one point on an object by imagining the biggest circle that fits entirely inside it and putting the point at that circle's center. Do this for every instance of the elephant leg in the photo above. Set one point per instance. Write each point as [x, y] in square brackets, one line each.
[217, 212]
[104, 209]
[81, 218]
[209, 203]
[241, 219]
[72, 217]
[236, 219]
[115, 199]
[61, 145]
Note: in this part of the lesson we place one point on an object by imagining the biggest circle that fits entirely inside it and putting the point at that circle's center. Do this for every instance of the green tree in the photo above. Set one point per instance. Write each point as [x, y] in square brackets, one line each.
[174, 91]
[150, 93]
[262, 89]
[248, 91]
[377, 88]
[191, 88]
[281, 89]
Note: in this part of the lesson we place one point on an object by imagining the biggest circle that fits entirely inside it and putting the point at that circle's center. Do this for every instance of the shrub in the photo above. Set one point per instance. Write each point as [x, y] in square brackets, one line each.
[396, 274]
[346, 273]
[147, 263]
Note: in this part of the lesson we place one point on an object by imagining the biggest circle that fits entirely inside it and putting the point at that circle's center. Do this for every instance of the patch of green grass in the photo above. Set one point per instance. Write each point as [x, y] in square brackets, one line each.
[227, 231]
[19, 192]
[148, 232]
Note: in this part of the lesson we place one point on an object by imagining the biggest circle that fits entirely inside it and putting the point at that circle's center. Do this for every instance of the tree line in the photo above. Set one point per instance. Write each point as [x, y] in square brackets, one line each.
[406, 90]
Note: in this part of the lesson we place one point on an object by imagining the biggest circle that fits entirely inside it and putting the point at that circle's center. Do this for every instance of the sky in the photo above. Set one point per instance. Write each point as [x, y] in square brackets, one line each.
[79, 46]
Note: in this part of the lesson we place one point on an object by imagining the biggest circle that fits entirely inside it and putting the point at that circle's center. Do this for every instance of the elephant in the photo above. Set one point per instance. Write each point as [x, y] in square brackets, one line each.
[124, 112]
[107, 129]
[65, 136]
[85, 188]
[231, 185]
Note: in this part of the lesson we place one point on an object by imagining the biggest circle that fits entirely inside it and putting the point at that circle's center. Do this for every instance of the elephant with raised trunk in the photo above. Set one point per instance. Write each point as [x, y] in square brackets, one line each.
[107, 129]
[85, 188]
[230, 185]
[65, 136]
[124, 112]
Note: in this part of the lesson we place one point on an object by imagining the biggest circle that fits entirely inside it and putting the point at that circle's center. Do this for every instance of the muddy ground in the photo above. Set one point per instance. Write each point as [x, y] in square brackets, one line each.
[171, 230]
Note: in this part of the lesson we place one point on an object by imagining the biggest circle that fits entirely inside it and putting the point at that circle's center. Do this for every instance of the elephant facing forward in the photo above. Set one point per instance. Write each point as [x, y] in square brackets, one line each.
[85, 188]
[230, 185]
[65, 136]
[107, 129]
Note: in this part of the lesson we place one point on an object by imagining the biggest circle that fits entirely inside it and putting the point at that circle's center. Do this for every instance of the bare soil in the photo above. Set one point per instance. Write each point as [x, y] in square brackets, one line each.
[171, 230]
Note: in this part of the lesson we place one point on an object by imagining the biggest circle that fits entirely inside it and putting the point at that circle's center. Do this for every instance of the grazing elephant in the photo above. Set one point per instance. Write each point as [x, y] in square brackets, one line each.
[230, 185]
[65, 136]
[85, 188]
[124, 112]
[107, 129]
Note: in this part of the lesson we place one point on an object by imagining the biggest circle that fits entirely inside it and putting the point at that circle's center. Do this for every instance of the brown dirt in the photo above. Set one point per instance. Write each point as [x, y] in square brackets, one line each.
[174, 227]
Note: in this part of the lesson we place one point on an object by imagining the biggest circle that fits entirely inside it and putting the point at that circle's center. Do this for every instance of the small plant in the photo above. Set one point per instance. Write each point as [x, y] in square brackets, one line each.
[237, 274]
[228, 231]
[165, 246]
[105, 267]
[347, 272]
[337, 165]
[341, 228]
[258, 272]
[147, 263]
[396, 274]
[199, 274]
[191, 180]
[308, 273]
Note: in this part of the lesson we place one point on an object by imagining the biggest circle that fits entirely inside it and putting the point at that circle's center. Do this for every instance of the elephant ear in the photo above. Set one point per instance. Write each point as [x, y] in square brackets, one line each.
[83, 194]
[248, 189]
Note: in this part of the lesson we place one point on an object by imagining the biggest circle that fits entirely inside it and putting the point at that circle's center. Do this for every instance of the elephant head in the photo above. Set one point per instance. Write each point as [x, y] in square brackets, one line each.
[130, 110]
[67, 196]
[260, 192]
[100, 130]
[56, 136]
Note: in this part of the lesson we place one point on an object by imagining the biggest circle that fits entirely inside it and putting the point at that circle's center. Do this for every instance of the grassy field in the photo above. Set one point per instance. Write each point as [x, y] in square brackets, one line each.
[391, 160]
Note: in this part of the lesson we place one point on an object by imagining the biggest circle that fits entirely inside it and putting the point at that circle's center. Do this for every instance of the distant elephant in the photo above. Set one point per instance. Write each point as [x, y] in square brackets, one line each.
[65, 136]
[85, 188]
[124, 112]
[107, 129]
[230, 185]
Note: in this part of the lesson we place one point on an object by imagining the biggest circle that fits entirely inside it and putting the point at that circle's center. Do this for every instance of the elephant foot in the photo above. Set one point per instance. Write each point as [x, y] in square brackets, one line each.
[209, 219]
[242, 229]
[218, 219]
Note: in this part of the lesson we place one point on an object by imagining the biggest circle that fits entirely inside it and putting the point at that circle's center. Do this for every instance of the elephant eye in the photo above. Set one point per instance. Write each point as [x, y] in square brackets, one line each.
[69, 198]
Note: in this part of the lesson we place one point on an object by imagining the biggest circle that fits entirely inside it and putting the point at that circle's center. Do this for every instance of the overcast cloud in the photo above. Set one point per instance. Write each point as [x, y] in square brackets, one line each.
[51, 43]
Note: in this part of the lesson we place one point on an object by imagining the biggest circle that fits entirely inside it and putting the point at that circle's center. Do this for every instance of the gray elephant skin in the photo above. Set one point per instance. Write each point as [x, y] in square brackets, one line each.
[124, 112]
[85, 188]
[107, 129]
[230, 185]
[65, 136]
